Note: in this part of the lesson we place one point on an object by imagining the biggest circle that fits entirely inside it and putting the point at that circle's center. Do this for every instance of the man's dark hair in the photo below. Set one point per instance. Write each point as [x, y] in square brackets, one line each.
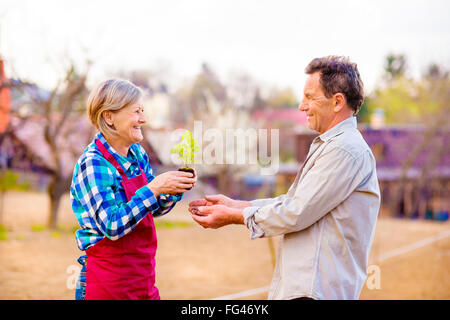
[339, 75]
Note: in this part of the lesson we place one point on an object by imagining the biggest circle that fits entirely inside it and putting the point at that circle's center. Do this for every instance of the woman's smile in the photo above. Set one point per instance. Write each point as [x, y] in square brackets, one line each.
[128, 125]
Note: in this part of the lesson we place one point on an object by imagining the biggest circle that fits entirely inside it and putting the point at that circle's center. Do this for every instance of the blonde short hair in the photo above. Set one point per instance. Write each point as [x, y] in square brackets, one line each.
[111, 95]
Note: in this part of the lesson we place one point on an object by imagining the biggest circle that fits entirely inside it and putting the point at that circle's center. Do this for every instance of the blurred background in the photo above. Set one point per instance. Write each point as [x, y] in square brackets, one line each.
[229, 65]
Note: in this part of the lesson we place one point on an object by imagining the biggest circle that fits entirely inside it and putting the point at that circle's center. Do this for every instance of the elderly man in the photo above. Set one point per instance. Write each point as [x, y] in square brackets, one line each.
[326, 220]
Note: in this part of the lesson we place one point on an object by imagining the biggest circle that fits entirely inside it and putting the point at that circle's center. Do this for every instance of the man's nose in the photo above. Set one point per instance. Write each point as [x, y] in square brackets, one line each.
[302, 106]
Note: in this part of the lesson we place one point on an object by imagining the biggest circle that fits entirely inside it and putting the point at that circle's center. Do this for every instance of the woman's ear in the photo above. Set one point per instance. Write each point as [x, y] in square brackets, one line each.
[108, 117]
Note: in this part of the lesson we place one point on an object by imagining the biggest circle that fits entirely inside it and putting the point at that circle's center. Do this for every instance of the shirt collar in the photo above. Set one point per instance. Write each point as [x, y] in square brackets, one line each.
[338, 129]
[125, 162]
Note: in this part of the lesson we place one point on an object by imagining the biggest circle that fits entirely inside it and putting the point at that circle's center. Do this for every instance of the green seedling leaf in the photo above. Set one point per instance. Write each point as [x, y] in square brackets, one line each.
[186, 149]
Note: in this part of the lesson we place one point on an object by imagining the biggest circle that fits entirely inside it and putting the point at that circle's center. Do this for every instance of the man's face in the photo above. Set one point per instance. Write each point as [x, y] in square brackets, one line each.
[318, 108]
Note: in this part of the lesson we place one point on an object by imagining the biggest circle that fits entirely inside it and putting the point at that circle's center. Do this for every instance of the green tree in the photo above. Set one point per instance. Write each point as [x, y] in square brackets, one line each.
[394, 66]
[399, 101]
[284, 98]
[364, 114]
[405, 99]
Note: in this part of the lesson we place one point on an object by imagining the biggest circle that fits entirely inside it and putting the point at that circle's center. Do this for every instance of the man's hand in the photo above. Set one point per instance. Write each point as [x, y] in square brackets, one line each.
[218, 199]
[217, 216]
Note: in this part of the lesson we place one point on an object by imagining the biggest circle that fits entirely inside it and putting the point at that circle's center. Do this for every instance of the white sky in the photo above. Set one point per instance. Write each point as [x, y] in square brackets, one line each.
[272, 40]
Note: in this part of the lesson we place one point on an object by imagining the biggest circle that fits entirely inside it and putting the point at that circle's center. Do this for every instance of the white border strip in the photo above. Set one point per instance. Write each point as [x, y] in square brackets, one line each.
[387, 255]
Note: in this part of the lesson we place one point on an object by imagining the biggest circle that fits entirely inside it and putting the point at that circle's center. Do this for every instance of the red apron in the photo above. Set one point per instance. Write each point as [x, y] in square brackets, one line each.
[124, 269]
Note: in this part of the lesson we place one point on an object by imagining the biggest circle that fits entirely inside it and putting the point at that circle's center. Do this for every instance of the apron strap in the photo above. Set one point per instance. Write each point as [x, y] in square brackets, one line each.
[108, 156]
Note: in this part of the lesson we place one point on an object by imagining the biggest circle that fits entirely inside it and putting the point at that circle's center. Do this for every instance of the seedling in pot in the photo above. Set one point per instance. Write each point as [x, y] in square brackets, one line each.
[186, 150]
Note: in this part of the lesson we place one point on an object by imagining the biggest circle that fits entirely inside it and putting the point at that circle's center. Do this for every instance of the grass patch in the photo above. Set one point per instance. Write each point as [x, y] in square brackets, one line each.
[3, 236]
[21, 236]
[38, 228]
[56, 234]
[69, 229]
[3, 233]
[172, 224]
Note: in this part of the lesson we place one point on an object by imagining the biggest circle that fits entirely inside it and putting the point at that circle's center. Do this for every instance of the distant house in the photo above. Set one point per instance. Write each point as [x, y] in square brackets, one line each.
[16, 155]
[290, 117]
[23, 148]
[289, 121]
[391, 146]
[22, 142]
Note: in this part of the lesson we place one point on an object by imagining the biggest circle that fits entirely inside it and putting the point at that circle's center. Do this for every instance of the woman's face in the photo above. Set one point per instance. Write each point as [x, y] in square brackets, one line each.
[127, 122]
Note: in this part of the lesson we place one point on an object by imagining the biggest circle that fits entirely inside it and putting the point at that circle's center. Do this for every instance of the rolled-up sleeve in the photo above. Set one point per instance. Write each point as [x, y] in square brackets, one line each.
[249, 221]
[249, 212]
[166, 203]
[333, 177]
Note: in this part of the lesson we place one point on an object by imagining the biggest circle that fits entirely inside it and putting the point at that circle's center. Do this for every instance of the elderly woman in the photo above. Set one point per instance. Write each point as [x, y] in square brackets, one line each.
[115, 197]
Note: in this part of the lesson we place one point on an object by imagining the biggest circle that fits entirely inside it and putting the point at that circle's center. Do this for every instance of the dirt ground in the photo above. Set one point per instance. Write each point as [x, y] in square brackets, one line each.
[194, 263]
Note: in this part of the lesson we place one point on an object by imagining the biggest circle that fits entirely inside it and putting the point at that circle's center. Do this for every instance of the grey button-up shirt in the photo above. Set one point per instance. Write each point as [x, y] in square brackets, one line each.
[326, 220]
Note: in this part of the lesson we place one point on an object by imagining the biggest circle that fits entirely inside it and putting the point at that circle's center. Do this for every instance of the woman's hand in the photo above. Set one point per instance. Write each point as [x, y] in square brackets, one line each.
[172, 182]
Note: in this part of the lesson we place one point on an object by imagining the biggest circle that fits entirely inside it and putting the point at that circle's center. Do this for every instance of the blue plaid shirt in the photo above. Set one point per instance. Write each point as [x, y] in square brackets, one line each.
[98, 198]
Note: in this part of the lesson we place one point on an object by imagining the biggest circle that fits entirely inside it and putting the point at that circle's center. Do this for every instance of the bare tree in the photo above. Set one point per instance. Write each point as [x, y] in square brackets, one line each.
[61, 112]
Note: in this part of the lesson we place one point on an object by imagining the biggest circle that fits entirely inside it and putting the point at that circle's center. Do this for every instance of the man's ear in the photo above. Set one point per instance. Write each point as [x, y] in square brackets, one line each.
[339, 102]
[107, 116]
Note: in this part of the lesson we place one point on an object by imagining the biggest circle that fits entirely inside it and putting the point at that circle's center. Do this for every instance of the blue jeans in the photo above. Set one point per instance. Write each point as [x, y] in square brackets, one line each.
[80, 289]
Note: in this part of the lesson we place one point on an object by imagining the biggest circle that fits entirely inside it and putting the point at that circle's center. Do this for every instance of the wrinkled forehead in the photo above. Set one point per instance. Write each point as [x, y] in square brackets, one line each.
[312, 85]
